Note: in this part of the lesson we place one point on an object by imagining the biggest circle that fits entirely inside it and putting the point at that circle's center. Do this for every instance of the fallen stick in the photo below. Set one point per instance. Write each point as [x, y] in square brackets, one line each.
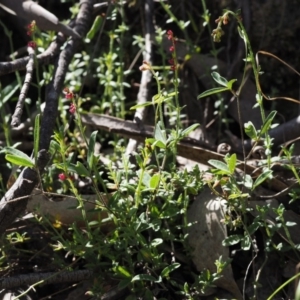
[187, 147]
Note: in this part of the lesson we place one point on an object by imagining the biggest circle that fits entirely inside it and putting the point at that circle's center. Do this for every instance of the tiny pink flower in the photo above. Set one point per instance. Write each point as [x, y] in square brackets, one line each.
[170, 34]
[172, 49]
[68, 93]
[31, 28]
[72, 108]
[31, 44]
[62, 176]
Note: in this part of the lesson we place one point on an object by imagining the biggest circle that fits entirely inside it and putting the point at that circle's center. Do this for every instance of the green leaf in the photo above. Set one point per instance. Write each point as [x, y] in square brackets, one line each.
[242, 34]
[157, 99]
[251, 131]
[54, 146]
[123, 271]
[159, 134]
[16, 152]
[95, 27]
[219, 79]
[246, 243]
[36, 136]
[219, 165]
[290, 224]
[159, 144]
[141, 105]
[212, 92]
[267, 124]
[20, 161]
[261, 178]
[248, 181]
[232, 240]
[231, 163]
[145, 277]
[167, 270]
[156, 242]
[186, 131]
[146, 177]
[7, 92]
[154, 181]
[230, 83]
[90, 154]
[79, 169]
[253, 227]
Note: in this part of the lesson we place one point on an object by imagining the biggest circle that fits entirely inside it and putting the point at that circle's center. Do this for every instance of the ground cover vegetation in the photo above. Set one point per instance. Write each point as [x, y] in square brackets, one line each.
[149, 150]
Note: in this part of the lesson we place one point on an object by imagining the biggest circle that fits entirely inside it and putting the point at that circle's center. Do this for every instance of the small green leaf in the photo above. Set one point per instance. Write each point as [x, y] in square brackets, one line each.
[267, 124]
[36, 136]
[17, 153]
[219, 79]
[230, 83]
[158, 98]
[156, 242]
[248, 181]
[186, 131]
[79, 169]
[154, 181]
[251, 131]
[167, 270]
[219, 165]
[141, 105]
[123, 271]
[159, 144]
[231, 162]
[90, 154]
[146, 177]
[212, 92]
[159, 134]
[253, 227]
[246, 243]
[261, 178]
[19, 160]
[144, 277]
[7, 92]
[232, 240]
[95, 27]
[290, 224]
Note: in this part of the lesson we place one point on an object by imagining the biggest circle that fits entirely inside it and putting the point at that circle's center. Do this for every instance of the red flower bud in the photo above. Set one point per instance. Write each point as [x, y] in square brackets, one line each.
[31, 44]
[72, 108]
[62, 176]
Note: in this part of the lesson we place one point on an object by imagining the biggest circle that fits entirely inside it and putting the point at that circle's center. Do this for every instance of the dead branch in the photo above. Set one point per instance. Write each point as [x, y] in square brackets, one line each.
[28, 179]
[44, 58]
[47, 278]
[144, 93]
[187, 147]
[29, 11]
[28, 78]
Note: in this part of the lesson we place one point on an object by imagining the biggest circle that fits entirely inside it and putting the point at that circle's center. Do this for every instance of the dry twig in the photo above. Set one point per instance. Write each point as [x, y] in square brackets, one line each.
[28, 179]
[28, 77]
[144, 93]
